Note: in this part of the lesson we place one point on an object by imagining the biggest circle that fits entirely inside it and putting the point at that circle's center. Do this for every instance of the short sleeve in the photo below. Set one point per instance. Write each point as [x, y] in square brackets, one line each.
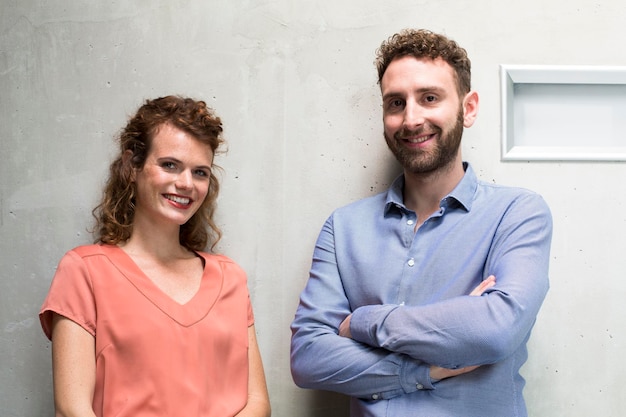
[70, 295]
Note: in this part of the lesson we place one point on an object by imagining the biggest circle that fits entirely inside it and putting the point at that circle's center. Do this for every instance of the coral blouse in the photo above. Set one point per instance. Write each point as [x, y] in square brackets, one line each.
[154, 356]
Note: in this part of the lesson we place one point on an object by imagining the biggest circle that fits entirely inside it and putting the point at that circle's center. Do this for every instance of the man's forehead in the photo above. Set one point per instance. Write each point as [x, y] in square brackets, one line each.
[409, 69]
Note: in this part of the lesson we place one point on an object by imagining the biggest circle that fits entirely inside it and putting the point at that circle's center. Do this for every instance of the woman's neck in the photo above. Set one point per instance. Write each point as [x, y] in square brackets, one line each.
[156, 242]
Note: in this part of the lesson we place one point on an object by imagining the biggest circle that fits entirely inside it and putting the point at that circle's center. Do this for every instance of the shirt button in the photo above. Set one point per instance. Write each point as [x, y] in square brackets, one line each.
[411, 262]
[374, 396]
[410, 222]
[419, 386]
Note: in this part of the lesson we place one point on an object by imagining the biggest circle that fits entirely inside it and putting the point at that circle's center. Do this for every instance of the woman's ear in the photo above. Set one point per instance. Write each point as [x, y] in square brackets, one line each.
[127, 163]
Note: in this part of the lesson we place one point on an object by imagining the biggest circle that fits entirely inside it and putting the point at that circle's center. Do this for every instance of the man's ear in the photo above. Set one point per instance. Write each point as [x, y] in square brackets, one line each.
[470, 108]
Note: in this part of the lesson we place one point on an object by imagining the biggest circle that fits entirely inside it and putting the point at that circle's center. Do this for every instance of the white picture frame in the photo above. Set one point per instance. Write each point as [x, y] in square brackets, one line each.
[563, 113]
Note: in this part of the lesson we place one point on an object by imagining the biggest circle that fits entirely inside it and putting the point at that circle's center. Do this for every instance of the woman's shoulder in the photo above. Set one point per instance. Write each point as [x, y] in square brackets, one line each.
[215, 257]
[95, 255]
[225, 262]
[85, 251]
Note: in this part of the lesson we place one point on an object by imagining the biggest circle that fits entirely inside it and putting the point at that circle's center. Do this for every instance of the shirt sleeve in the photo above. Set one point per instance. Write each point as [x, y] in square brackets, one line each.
[70, 295]
[465, 330]
[321, 359]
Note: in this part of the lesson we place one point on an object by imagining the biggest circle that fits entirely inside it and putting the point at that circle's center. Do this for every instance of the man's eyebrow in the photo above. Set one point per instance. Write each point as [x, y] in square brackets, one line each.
[433, 88]
[391, 94]
[421, 90]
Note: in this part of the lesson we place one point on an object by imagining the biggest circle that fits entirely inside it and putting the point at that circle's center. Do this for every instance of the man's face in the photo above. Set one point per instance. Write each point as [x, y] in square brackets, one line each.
[423, 115]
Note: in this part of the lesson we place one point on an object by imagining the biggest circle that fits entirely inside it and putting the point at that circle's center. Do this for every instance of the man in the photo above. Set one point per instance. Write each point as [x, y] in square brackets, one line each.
[401, 311]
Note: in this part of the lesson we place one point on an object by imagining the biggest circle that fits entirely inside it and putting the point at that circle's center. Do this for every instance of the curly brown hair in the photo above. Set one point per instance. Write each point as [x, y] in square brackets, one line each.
[115, 213]
[421, 43]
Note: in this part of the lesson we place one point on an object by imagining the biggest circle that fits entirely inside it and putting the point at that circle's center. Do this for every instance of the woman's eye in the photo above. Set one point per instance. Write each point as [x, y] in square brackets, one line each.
[202, 173]
[168, 165]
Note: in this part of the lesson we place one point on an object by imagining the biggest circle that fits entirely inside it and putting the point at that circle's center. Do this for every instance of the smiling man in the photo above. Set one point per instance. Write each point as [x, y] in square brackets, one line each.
[421, 299]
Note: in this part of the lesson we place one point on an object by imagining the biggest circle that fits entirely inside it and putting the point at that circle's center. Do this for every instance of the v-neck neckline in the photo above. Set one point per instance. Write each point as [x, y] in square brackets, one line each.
[186, 314]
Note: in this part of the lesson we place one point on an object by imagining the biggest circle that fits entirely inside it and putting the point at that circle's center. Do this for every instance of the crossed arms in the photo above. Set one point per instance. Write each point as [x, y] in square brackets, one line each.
[436, 372]
[361, 348]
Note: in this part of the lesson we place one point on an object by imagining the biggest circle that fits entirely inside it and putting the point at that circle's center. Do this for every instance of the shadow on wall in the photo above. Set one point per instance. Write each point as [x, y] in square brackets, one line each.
[328, 404]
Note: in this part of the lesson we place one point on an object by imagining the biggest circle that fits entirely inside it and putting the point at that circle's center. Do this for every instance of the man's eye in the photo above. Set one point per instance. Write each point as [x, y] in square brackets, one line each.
[395, 104]
[431, 99]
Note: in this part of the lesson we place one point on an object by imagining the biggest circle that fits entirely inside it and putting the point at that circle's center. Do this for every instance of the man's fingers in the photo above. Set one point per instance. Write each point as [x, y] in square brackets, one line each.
[344, 327]
[484, 285]
[439, 373]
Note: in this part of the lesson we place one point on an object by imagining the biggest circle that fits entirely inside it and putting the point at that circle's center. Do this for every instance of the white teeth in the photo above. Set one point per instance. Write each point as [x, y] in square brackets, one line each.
[418, 140]
[179, 200]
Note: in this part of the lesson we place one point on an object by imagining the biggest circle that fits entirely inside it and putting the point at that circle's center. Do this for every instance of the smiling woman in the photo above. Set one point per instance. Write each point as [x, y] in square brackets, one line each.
[116, 212]
[174, 180]
[147, 297]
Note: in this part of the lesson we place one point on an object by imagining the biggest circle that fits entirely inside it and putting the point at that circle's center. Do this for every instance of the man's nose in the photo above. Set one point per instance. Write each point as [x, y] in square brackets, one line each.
[413, 116]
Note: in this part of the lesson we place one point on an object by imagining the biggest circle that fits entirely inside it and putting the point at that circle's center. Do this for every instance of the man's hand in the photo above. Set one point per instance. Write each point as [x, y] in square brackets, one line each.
[438, 373]
[344, 327]
[484, 286]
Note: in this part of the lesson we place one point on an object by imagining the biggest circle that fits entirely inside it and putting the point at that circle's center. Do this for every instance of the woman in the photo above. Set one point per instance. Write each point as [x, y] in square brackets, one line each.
[144, 322]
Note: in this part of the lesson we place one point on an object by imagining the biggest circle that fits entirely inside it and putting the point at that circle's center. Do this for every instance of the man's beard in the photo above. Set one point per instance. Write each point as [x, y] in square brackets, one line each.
[421, 162]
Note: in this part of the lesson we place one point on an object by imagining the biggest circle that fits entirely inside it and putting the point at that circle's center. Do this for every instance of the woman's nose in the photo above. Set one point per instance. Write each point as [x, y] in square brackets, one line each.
[184, 180]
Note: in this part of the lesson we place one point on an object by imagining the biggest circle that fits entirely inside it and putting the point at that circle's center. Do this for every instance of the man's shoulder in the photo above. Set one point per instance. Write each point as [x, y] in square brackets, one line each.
[508, 195]
[504, 190]
[366, 204]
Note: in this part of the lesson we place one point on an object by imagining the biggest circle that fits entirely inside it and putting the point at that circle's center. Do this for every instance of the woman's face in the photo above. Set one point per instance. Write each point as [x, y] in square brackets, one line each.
[175, 178]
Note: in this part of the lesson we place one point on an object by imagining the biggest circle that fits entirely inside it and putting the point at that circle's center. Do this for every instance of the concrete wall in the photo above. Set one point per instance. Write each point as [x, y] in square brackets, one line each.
[295, 86]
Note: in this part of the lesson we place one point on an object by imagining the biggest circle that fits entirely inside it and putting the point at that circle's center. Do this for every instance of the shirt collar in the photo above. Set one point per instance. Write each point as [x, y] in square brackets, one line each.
[463, 193]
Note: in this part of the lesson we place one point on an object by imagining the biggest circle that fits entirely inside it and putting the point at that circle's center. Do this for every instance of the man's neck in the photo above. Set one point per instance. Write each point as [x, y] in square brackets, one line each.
[423, 192]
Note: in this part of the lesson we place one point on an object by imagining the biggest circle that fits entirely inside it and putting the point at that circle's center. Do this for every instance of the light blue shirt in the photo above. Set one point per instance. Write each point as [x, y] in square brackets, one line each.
[408, 295]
